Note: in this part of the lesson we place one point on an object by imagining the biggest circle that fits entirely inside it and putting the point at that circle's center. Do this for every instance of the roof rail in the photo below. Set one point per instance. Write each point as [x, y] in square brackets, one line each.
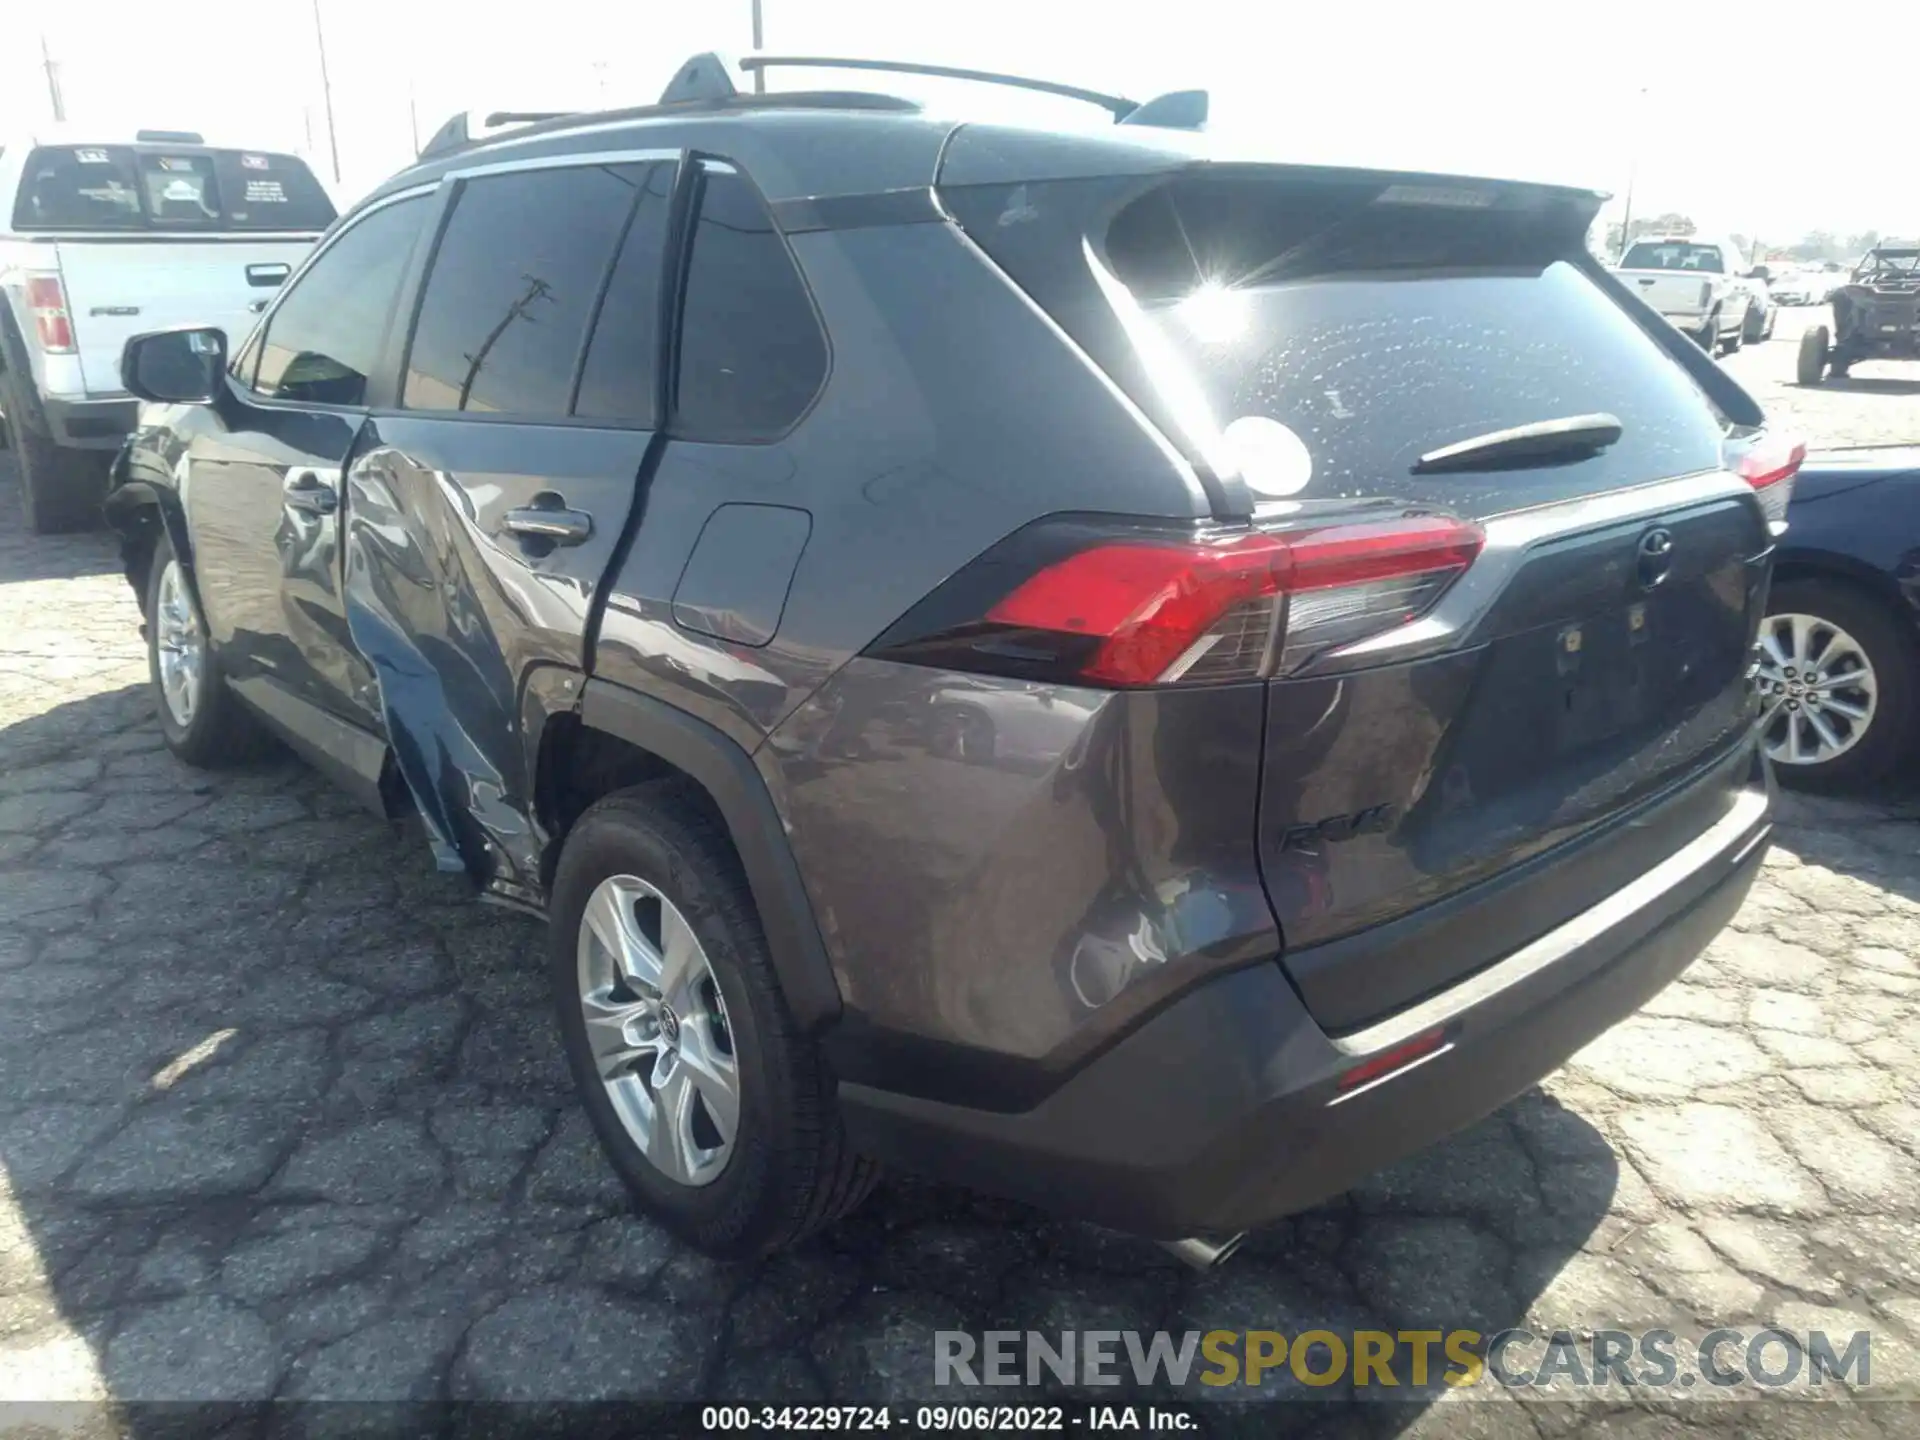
[457, 133]
[1179, 110]
[706, 77]
[1117, 105]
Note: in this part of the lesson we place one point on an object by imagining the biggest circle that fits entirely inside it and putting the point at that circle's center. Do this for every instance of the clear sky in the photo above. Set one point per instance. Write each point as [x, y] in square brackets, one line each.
[1740, 115]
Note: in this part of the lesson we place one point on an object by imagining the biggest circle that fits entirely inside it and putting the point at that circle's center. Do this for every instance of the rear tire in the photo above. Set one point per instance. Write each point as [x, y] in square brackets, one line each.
[1892, 654]
[60, 488]
[787, 1168]
[202, 721]
[1708, 336]
[1811, 363]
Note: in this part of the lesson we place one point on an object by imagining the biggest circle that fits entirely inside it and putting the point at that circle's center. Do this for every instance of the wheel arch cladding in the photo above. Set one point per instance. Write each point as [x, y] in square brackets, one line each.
[138, 513]
[727, 774]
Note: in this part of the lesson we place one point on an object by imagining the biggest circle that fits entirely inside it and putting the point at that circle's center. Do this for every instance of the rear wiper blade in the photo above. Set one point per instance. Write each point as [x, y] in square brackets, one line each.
[1566, 439]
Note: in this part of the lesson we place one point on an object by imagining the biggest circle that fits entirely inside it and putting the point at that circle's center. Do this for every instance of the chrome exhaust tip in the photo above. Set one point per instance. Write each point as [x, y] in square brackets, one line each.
[1202, 1255]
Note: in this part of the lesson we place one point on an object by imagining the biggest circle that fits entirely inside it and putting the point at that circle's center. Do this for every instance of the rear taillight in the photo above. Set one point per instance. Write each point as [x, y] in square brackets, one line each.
[1122, 606]
[1769, 465]
[47, 299]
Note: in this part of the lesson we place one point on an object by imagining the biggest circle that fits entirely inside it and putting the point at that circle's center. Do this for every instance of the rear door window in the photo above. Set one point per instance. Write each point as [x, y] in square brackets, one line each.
[513, 287]
[123, 187]
[621, 379]
[325, 336]
[752, 354]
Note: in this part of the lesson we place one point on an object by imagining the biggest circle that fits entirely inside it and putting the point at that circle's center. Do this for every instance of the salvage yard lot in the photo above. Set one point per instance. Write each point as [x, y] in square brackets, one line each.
[282, 1113]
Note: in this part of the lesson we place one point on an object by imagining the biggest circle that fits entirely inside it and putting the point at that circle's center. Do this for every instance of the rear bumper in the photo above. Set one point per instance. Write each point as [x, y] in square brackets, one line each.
[1225, 1110]
[90, 424]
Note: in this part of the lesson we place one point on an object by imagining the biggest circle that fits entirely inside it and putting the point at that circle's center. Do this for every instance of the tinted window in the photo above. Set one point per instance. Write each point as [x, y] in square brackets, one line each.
[260, 191]
[116, 187]
[621, 379]
[1337, 329]
[80, 187]
[1672, 255]
[179, 191]
[325, 336]
[513, 286]
[752, 355]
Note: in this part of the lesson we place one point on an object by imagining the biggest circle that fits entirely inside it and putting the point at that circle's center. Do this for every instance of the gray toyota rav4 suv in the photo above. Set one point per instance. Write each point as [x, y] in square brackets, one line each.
[1076, 661]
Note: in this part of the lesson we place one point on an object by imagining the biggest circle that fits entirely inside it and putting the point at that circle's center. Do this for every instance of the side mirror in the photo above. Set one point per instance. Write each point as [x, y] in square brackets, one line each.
[174, 367]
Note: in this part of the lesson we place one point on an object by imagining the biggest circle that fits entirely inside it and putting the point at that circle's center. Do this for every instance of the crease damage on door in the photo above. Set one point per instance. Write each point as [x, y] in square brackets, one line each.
[414, 614]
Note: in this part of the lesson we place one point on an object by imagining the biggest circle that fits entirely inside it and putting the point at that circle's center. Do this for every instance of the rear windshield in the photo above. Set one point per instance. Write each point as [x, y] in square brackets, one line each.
[1343, 329]
[123, 187]
[1673, 255]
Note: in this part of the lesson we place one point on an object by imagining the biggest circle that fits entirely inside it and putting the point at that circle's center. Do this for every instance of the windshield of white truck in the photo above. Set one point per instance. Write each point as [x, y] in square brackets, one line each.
[123, 187]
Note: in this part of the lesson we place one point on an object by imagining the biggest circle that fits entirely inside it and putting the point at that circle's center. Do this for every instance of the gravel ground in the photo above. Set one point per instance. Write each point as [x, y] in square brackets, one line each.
[281, 1114]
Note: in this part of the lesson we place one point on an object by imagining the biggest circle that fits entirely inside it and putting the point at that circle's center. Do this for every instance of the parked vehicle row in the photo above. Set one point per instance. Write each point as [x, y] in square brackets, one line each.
[1876, 316]
[1704, 287]
[1840, 659]
[103, 237]
[903, 599]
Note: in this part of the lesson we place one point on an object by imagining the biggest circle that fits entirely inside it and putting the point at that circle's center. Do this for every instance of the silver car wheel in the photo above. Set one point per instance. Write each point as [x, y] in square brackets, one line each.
[657, 1028]
[180, 645]
[1817, 688]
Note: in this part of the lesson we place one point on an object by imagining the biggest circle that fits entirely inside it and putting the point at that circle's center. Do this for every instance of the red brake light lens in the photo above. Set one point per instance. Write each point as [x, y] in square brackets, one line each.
[1139, 609]
[1147, 604]
[47, 298]
[1769, 464]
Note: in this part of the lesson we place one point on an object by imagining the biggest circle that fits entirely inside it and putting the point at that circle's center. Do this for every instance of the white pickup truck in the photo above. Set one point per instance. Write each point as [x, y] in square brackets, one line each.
[102, 239]
[1699, 285]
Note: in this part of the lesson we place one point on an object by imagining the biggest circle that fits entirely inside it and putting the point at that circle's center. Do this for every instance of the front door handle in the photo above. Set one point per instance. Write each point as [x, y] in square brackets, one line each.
[310, 491]
[549, 522]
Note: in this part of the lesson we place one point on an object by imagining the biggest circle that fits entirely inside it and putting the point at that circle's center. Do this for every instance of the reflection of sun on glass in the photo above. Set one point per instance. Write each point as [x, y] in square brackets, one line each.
[1214, 313]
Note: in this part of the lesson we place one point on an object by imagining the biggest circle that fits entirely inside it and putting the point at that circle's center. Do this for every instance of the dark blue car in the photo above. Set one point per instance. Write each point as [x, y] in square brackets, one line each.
[1841, 649]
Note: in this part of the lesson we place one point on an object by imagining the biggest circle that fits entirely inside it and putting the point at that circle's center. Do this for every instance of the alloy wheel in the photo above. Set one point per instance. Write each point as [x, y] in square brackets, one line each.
[657, 1027]
[1818, 690]
[180, 645]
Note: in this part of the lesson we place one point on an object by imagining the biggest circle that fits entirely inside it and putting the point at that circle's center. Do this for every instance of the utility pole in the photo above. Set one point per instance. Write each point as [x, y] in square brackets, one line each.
[326, 91]
[413, 116]
[1633, 166]
[53, 73]
[759, 43]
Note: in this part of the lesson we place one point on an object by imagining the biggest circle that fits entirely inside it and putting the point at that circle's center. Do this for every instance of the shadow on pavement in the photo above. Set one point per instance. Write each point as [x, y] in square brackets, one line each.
[1867, 385]
[282, 1117]
[25, 556]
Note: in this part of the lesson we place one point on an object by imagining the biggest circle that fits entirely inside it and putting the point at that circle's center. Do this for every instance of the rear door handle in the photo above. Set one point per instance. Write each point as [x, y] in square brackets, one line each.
[311, 492]
[549, 522]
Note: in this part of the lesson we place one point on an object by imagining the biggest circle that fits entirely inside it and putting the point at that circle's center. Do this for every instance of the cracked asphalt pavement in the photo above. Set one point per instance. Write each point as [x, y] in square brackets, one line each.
[282, 1114]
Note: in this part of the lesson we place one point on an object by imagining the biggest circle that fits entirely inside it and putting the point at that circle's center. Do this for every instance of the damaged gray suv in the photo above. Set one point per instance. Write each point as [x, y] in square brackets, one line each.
[1078, 662]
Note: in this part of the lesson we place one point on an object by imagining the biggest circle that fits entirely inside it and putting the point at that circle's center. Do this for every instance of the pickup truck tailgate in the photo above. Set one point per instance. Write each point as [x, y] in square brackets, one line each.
[120, 288]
